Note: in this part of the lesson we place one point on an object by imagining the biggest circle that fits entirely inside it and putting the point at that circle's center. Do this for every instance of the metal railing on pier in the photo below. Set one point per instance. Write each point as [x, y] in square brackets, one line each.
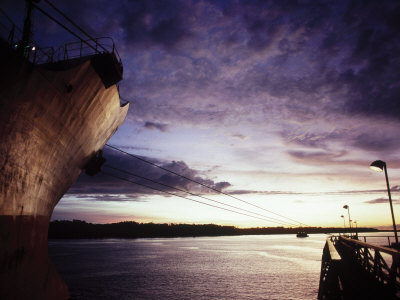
[353, 268]
[385, 241]
[369, 256]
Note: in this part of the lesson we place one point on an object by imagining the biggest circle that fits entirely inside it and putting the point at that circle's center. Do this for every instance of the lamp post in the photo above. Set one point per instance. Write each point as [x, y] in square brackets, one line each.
[355, 222]
[348, 211]
[344, 222]
[380, 166]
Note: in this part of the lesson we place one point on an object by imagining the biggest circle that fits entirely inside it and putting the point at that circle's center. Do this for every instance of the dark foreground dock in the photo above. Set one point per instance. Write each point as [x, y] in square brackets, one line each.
[352, 269]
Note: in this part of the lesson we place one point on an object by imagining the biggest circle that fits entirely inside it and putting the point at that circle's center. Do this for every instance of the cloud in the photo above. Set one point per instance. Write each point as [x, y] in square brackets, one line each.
[315, 157]
[319, 138]
[117, 180]
[272, 61]
[336, 157]
[220, 186]
[148, 23]
[393, 189]
[376, 141]
[381, 200]
[252, 192]
[372, 88]
[322, 73]
[239, 136]
[108, 197]
[158, 126]
[339, 57]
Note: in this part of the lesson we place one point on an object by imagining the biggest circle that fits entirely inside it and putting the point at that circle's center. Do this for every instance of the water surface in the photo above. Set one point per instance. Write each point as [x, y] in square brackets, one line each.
[235, 267]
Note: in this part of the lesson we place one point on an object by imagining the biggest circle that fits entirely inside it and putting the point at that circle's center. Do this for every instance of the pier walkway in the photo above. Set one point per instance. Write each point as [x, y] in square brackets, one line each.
[353, 269]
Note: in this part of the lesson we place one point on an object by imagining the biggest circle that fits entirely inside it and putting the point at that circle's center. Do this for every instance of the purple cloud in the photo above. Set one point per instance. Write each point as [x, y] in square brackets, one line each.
[158, 126]
[312, 156]
[121, 182]
[381, 200]
[376, 141]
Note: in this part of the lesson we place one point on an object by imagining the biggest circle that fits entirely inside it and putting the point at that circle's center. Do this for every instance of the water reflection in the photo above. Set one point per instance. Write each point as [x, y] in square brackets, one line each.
[239, 267]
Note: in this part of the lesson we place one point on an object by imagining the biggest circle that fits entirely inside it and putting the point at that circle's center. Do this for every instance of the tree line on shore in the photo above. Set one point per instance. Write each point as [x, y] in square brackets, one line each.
[77, 229]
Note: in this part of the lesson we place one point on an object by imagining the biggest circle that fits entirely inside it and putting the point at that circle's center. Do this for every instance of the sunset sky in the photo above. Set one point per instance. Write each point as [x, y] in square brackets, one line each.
[282, 104]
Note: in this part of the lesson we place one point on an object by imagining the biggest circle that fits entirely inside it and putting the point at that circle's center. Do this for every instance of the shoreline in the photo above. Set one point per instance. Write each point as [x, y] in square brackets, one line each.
[78, 229]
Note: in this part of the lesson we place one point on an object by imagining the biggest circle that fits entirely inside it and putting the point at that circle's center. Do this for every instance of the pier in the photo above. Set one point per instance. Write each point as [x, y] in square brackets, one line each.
[355, 269]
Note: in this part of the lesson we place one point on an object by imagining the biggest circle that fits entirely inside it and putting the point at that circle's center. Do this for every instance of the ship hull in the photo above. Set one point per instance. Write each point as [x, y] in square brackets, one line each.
[52, 121]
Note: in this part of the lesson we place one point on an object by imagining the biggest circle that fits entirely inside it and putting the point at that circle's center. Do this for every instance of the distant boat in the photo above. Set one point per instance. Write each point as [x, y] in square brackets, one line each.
[301, 234]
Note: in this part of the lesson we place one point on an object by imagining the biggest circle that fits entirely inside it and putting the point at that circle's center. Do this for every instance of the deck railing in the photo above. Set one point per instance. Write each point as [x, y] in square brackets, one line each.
[86, 48]
[329, 285]
[353, 269]
[382, 263]
[12, 34]
[374, 239]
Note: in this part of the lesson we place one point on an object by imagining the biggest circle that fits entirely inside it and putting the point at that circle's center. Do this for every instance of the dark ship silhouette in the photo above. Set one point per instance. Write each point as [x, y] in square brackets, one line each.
[56, 114]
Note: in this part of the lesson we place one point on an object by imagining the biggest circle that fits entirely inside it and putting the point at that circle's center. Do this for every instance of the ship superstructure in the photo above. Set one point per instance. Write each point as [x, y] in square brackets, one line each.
[56, 113]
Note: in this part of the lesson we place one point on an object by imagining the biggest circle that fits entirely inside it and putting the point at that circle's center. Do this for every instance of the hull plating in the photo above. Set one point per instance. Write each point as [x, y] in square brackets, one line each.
[51, 123]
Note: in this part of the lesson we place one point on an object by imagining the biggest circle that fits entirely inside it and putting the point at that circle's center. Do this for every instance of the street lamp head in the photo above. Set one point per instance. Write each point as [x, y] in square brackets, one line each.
[346, 207]
[380, 166]
[377, 166]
